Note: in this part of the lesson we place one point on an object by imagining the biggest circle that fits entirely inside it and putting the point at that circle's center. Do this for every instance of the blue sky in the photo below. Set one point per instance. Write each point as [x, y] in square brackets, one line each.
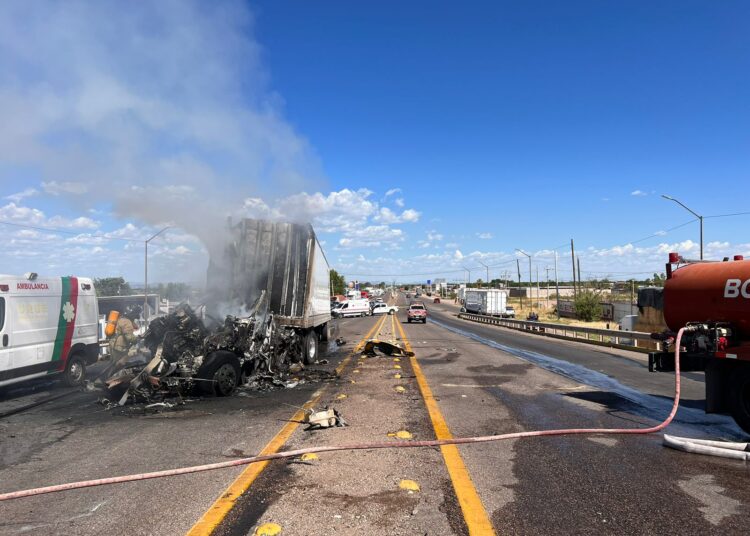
[494, 126]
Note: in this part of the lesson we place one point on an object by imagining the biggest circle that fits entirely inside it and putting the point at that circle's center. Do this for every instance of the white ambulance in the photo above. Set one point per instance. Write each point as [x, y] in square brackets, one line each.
[47, 326]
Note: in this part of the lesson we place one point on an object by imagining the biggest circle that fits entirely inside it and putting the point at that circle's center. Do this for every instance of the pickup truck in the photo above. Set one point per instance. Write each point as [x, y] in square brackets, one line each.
[381, 308]
[416, 313]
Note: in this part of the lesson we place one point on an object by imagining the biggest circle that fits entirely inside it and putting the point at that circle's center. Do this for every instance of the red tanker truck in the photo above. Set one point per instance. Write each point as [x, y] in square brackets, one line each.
[714, 299]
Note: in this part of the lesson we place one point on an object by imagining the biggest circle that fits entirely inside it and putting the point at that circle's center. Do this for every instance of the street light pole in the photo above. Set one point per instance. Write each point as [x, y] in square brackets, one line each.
[531, 285]
[700, 218]
[468, 280]
[488, 273]
[145, 272]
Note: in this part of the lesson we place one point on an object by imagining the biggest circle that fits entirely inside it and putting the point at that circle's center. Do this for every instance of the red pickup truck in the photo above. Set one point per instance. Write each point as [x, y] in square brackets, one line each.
[416, 313]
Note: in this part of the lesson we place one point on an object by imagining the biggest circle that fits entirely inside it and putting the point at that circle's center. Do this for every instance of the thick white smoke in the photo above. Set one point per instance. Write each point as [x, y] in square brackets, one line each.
[161, 112]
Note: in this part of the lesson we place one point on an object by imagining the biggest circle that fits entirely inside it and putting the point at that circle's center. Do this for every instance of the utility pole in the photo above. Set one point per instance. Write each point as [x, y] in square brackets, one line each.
[488, 273]
[632, 294]
[531, 283]
[578, 259]
[518, 267]
[573, 259]
[557, 289]
[537, 286]
[547, 269]
[145, 273]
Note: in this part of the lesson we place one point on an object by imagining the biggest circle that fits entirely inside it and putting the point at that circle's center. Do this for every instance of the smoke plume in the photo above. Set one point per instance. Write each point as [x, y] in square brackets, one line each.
[160, 112]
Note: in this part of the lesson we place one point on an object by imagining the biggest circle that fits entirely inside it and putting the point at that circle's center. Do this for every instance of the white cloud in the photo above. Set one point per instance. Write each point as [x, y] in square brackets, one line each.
[484, 236]
[392, 191]
[67, 187]
[20, 196]
[410, 215]
[458, 255]
[638, 193]
[434, 236]
[399, 202]
[31, 216]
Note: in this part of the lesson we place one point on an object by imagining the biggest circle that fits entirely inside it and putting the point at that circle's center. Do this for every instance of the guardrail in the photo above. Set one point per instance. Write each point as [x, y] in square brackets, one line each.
[626, 340]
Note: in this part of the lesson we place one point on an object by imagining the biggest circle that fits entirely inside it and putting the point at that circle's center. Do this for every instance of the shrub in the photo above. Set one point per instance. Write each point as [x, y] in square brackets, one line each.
[587, 305]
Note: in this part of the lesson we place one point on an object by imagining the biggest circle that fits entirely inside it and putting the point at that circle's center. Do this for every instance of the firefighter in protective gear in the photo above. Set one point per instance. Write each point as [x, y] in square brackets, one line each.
[124, 337]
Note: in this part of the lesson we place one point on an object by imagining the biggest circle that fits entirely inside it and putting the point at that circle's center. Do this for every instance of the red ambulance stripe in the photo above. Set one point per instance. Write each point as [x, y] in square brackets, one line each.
[71, 326]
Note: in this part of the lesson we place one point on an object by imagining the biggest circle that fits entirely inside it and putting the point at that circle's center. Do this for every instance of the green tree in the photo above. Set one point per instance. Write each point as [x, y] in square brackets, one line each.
[174, 291]
[587, 305]
[338, 283]
[112, 286]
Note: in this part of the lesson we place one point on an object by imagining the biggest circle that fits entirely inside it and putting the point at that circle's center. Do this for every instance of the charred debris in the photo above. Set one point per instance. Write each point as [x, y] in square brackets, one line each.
[180, 356]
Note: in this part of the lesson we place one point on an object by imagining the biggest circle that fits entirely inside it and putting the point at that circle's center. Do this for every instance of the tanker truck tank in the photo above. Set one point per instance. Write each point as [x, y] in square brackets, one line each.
[709, 292]
[714, 299]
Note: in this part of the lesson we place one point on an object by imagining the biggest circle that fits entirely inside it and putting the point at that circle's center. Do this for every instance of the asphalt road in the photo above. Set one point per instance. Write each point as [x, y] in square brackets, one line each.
[485, 380]
[595, 485]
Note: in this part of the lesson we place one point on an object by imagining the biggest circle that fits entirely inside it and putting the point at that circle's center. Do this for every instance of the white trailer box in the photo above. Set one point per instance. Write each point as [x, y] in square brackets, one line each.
[488, 301]
[47, 326]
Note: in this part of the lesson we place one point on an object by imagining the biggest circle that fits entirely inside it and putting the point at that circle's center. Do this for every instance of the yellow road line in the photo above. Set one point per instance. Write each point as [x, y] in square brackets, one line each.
[477, 520]
[226, 501]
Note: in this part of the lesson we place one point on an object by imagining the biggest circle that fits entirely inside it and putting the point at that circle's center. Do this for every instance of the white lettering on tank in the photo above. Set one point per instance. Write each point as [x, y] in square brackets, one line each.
[732, 288]
[744, 289]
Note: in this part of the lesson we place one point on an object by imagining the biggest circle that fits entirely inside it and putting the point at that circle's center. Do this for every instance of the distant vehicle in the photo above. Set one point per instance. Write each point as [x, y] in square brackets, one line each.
[47, 326]
[510, 312]
[384, 309]
[353, 308]
[486, 301]
[416, 313]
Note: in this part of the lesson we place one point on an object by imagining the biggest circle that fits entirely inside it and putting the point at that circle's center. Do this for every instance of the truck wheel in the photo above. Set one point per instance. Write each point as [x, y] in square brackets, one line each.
[408, 320]
[739, 398]
[310, 348]
[222, 369]
[75, 371]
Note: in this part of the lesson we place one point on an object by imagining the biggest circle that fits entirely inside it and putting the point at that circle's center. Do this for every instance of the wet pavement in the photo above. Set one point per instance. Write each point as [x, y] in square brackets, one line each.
[485, 380]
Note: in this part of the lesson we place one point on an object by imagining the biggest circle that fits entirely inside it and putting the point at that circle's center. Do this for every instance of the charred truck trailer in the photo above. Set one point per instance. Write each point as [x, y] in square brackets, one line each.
[286, 261]
[711, 299]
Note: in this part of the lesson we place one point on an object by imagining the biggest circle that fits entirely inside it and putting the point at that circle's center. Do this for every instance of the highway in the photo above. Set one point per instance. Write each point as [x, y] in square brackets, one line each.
[466, 379]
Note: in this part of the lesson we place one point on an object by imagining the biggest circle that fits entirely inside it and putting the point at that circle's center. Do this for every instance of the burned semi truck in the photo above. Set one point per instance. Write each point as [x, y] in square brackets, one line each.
[284, 262]
[268, 307]
[712, 300]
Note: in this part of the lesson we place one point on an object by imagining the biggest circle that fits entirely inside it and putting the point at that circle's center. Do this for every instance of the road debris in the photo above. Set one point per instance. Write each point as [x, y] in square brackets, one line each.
[386, 348]
[341, 341]
[409, 485]
[179, 355]
[325, 418]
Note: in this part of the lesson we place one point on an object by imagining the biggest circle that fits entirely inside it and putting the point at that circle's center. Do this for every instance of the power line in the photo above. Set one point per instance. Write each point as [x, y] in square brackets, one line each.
[727, 215]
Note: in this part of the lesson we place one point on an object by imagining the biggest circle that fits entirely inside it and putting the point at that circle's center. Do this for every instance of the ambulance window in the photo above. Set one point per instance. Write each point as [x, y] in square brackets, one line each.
[2, 313]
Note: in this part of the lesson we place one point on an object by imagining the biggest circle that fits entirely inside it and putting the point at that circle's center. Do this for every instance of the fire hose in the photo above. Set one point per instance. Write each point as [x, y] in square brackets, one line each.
[359, 446]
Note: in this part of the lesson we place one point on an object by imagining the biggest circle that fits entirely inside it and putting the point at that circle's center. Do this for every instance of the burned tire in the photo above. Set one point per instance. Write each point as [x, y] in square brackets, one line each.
[75, 371]
[219, 374]
[739, 398]
[310, 348]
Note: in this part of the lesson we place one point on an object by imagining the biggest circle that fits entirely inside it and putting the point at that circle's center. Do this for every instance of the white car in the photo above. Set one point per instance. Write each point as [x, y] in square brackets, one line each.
[384, 309]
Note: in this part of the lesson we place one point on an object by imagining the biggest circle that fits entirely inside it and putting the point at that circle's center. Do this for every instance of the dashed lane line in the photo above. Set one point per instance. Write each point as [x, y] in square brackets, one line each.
[226, 501]
[477, 520]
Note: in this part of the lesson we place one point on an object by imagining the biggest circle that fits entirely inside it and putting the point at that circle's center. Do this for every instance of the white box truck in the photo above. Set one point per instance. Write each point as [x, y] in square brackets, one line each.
[47, 326]
[287, 262]
[487, 301]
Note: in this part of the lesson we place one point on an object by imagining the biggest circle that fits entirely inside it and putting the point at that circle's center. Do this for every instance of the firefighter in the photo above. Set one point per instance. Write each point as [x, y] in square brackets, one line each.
[124, 337]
